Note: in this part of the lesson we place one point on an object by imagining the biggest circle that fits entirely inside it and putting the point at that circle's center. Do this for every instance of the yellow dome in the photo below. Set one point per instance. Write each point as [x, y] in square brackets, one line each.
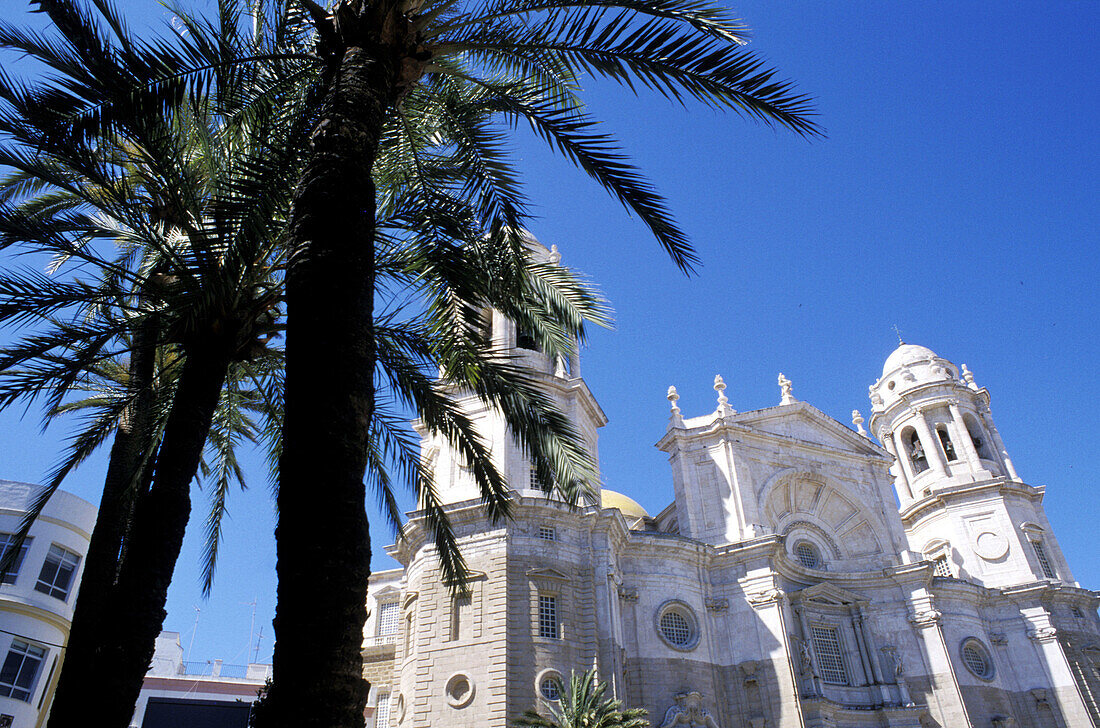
[626, 505]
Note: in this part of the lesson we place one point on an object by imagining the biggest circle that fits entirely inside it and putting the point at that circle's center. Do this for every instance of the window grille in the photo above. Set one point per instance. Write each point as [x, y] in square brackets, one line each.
[548, 617]
[830, 660]
[977, 659]
[388, 614]
[57, 572]
[547, 533]
[7, 542]
[942, 568]
[1044, 562]
[549, 688]
[382, 711]
[537, 483]
[807, 555]
[20, 670]
[676, 628]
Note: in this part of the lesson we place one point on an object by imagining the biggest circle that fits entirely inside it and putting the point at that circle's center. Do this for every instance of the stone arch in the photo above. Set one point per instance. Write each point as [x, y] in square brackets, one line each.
[798, 498]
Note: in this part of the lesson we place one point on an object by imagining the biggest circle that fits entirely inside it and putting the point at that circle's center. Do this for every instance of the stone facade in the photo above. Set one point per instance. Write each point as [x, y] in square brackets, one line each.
[803, 575]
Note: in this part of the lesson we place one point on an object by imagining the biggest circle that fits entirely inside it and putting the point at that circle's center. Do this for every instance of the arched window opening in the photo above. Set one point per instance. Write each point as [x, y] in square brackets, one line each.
[975, 432]
[915, 449]
[945, 440]
[526, 340]
[807, 555]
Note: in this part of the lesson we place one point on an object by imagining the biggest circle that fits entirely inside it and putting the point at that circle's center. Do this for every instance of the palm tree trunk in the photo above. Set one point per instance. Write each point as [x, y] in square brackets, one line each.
[136, 613]
[323, 539]
[116, 506]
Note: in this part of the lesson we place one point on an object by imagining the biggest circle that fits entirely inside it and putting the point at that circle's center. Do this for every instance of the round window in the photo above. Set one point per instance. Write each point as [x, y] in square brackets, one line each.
[807, 555]
[550, 688]
[460, 691]
[676, 625]
[977, 659]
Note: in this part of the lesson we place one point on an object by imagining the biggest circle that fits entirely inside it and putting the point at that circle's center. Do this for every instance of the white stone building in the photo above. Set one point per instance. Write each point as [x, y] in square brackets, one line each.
[804, 574]
[37, 596]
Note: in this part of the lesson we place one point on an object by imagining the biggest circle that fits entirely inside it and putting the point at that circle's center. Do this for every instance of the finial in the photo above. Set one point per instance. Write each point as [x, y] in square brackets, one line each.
[857, 420]
[785, 390]
[723, 401]
[968, 377]
[555, 256]
[876, 398]
[673, 398]
[896, 331]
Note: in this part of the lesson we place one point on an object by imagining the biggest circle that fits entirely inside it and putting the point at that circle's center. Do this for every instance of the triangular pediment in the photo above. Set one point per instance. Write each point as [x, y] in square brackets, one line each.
[827, 594]
[387, 593]
[552, 574]
[801, 422]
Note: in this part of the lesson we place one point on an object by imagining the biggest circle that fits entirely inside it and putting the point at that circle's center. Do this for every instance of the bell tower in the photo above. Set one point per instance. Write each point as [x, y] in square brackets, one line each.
[558, 378]
[963, 505]
[932, 417]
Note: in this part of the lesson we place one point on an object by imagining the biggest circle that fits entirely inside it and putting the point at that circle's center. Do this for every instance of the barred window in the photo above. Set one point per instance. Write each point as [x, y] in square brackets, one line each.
[20, 670]
[1044, 562]
[830, 660]
[548, 616]
[57, 572]
[537, 483]
[807, 555]
[388, 614]
[550, 688]
[977, 658]
[7, 542]
[676, 628]
[382, 711]
[548, 533]
[941, 567]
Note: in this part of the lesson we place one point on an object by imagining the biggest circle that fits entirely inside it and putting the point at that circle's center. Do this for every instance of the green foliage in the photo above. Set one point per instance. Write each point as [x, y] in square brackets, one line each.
[583, 705]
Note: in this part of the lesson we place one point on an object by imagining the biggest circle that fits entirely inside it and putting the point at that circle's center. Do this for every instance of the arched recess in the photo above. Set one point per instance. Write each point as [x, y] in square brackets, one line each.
[796, 498]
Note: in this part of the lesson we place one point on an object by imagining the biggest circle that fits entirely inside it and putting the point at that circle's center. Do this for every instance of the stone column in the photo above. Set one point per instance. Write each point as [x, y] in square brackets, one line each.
[999, 444]
[891, 446]
[932, 448]
[963, 437]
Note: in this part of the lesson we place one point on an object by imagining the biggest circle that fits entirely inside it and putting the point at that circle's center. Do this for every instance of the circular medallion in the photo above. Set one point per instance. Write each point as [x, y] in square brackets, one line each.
[990, 546]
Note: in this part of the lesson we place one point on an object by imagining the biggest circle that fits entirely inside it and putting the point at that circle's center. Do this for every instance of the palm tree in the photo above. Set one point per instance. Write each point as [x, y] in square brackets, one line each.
[193, 200]
[506, 60]
[582, 705]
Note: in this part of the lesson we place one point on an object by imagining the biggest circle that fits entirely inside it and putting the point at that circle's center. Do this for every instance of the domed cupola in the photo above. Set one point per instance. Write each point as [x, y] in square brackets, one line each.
[935, 421]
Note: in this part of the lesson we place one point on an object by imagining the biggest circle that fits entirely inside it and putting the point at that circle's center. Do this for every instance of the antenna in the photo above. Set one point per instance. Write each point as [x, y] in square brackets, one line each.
[252, 625]
[259, 638]
[193, 631]
[900, 342]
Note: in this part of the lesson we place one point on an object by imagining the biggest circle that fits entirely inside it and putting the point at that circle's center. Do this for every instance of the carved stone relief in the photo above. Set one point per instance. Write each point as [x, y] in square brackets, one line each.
[689, 711]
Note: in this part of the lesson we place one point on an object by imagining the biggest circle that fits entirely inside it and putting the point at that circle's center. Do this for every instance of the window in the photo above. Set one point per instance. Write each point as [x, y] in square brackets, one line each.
[547, 533]
[409, 617]
[676, 628]
[460, 612]
[382, 711]
[941, 567]
[21, 669]
[7, 542]
[548, 616]
[830, 660]
[550, 688]
[945, 440]
[57, 573]
[807, 555]
[537, 483]
[976, 658]
[1044, 562]
[915, 449]
[387, 618]
[526, 340]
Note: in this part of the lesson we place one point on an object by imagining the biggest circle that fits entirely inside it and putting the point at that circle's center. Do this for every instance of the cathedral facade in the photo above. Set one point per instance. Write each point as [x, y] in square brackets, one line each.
[805, 574]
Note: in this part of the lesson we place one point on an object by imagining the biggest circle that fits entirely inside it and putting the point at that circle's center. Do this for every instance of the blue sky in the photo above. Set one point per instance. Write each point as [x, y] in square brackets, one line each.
[955, 197]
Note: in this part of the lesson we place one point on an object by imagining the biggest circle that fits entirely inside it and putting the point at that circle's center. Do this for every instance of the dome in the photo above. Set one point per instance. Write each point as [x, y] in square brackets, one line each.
[626, 505]
[906, 354]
